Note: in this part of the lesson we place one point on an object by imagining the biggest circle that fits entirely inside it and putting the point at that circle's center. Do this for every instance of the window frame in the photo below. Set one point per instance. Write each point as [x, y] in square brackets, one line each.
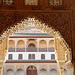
[10, 57]
[43, 56]
[20, 57]
[52, 56]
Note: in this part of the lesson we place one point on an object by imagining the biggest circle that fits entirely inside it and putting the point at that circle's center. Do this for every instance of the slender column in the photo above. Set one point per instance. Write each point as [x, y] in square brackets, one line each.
[25, 45]
[37, 45]
[61, 71]
[38, 70]
[47, 45]
[7, 45]
[15, 45]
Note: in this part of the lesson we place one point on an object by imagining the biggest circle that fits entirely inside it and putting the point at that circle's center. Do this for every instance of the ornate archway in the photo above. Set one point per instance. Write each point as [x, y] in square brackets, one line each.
[31, 70]
[61, 47]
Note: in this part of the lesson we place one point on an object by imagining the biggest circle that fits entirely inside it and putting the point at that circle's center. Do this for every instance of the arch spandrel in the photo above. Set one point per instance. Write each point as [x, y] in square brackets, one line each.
[43, 27]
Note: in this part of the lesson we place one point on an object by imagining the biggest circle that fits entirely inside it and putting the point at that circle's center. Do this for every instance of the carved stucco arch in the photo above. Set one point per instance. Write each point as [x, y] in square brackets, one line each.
[38, 24]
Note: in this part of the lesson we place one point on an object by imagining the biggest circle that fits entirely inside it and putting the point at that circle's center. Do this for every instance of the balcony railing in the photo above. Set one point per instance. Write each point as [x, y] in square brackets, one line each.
[51, 49]
[31, 49]
[42, 49]
[20, 49]
[11, 50]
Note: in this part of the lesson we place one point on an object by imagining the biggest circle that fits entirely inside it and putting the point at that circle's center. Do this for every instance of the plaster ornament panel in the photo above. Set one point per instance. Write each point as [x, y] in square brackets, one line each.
[53, 66]
[9, 67]
[68, 66]
[43, 66]
[19, 66]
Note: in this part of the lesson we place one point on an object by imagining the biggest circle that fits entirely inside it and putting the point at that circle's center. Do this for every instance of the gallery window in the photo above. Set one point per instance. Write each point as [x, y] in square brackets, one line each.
[31, 56]
[42, 56]
[8, 2]
[52, 56]
[20, 56]
[10, 56]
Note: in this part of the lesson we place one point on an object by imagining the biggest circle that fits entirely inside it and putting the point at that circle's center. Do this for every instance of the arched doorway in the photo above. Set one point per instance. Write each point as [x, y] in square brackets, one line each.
[31, 70]
[43, 72]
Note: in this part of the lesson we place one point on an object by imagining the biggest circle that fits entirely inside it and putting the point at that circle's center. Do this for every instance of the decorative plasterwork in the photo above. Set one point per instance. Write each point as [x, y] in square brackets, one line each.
[37, 24]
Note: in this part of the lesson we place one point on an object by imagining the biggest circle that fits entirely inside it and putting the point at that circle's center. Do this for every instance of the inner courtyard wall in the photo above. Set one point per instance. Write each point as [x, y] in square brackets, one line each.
[24, 66]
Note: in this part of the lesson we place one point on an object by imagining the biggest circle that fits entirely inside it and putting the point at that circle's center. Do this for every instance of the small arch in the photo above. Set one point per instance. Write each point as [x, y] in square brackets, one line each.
[20, 72]
[9, 71]
[43, 71]
[11, 44]
[42, 44]
[20, 44]
[53, 72]
[31, 43]
[51, 44]
[31, 67]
